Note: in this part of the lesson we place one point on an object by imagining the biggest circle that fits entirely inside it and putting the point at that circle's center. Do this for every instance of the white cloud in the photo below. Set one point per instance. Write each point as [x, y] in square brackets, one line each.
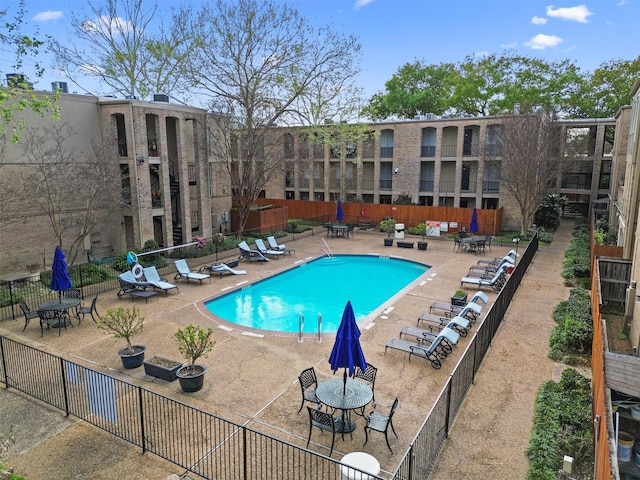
[539, 20]
[622, 3]
[48, 15]
[542, 42]
[509, 46]
[574, 14]
[103, 24]
[361, 3]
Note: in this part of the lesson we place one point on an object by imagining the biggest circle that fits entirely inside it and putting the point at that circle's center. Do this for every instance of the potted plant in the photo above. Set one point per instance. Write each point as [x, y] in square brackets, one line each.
[125, 323]
[422, 245]
[459, 298]
[388, 225]
[162, 368]
[193, 342]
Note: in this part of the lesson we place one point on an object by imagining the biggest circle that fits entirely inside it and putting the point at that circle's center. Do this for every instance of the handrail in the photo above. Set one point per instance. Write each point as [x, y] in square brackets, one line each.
[300, 327]
[319, 340]
[328, 250]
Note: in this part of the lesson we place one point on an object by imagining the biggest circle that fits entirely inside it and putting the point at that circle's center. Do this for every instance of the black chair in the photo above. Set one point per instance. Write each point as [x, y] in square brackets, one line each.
[308, 384]
[487, 241]
[53, 318]
[456, 244]
[28, 314]
[90, 310]
[74, 293]
[380, 422]
[369, 376]
[324, 421]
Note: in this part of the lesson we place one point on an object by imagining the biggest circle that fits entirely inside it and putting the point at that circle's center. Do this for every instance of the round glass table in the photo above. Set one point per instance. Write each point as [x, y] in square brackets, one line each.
[335, 394]
[61, 305]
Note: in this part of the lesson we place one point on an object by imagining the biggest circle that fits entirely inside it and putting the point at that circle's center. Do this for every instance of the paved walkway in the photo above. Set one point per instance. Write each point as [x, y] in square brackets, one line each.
[261, 383]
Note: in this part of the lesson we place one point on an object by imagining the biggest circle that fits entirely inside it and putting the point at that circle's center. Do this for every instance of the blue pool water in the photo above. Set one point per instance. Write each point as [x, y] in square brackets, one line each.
[319, 286]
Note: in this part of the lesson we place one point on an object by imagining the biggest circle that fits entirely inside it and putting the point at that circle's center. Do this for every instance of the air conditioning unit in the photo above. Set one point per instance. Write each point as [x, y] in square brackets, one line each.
[430, 116]
[160, 97]
[130, 97]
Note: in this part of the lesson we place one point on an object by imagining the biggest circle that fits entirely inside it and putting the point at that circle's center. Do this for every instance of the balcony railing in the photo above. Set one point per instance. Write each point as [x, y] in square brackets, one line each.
[447, 186]
[386, 184]
[449, 150]
[352, 184]
[426, 185]
[334, 184]
[304, 183]
[428, 151]
[471, 150]
[156, 201]
[490, 186]
[368, 151]
[318, 183]
[367, 185]
[386, 152]
[471, 188]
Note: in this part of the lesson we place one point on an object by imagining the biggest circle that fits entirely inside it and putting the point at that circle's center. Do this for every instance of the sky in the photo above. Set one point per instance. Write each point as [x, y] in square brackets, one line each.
[396, 32]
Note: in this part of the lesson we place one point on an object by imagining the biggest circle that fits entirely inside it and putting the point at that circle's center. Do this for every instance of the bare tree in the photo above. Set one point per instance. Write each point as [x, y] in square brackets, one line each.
[73, 189]
[256, 60]
[127, 48]
[531, 160]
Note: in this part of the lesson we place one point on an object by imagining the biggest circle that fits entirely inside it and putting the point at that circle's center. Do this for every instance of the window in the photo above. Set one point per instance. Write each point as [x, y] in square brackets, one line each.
[125, 184]
[494, 140]
[288, 145]
[386, 144]
[121, 134]
[428, 145]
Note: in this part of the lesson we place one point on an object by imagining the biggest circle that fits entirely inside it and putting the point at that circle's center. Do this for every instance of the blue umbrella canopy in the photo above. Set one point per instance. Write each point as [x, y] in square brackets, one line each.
[473, 227]
[347, 352]
[339, 212]
[60, 280]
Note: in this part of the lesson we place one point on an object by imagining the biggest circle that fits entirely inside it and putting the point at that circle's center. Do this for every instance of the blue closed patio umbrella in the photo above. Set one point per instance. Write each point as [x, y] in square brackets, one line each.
[60, 279]
[473, 227]
[347, 352]
[339, 213]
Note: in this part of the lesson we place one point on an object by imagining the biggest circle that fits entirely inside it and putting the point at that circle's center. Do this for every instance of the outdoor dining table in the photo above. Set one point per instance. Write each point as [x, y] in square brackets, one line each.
[356, 395]
[468, 244]
[60, 305]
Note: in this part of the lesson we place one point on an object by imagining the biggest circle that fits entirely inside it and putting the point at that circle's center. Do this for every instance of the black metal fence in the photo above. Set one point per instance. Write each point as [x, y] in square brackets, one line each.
[213, 447]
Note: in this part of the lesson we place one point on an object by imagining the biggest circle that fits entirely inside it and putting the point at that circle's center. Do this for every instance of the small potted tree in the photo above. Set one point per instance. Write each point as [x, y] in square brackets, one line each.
[459, 298]
[422, 228]
[388, 225]
[193, 342]
[125, 323]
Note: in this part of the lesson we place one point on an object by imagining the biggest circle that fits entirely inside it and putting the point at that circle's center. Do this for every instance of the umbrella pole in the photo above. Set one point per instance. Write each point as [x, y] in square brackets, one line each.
[344, 386]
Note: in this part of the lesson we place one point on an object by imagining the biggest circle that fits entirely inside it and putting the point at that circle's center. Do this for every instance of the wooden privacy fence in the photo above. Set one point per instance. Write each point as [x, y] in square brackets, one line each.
[489, 221]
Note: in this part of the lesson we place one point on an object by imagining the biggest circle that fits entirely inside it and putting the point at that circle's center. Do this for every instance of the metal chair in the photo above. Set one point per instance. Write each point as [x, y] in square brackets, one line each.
[308, 384]
[369, 376]
[456, 244]
[324, 421]
[487, 241]
[74, 293]
[380, 422]
[53, 318]
[28, 314]
[84, 310]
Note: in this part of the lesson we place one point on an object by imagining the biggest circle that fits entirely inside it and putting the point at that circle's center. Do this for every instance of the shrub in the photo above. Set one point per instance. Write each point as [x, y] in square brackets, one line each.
[574, 333]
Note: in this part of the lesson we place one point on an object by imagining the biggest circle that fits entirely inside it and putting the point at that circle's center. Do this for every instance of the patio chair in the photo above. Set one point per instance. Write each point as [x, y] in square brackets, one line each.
[152, 276]
[73, 293]
[53, 318]
[249, 254]
[460, 324]
[324, 421]
[487, 241]
[496, 282]
[262, 248]
[456, 244]
[445, 340]
[308, 384]
[273, 244]
[368, 375]
[89, 310]
[28, 314]
[222, 268]
[496, 260]
[185, 272]
[452, 310]
[130, 285]
[492, 268]
[380, 422]
[428, 352]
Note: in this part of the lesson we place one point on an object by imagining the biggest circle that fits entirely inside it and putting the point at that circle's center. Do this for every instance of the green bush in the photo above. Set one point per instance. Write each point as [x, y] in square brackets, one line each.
[577, 263]
[574, 332]
[562, 426]
[5, 298]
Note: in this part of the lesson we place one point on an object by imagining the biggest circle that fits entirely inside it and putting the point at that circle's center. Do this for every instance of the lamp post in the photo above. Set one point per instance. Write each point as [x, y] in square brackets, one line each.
[516, 241]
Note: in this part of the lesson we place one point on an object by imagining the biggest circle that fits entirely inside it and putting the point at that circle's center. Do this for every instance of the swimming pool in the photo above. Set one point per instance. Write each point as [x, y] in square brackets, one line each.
[320, 286]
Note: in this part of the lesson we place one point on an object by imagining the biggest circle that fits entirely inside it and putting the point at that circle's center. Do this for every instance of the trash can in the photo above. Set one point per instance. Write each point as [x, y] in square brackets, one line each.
[399, 231]
[362, 461]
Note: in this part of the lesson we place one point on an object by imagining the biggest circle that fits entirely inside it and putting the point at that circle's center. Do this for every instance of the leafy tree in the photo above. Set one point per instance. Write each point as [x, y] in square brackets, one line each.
[125, 52]
[73, 189]
[602, 93]
[416, 88]
[550, 210]
[257, 61]
[17, 96]
[530, 162]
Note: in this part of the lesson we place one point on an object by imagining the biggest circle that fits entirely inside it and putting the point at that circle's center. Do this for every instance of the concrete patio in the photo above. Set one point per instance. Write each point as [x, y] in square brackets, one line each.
[251, 377]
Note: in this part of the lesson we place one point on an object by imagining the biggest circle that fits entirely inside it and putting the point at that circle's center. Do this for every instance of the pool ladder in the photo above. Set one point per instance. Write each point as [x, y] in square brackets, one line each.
[301, 327]
[326, 248]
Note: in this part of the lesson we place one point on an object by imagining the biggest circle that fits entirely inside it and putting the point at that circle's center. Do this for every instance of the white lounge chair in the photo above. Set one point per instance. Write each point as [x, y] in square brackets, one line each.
[262, 248]
[496, 282]
[185, 272]
[452, 310]
[221, 268]
[250, 254]
[152, 276]
[273, 244]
